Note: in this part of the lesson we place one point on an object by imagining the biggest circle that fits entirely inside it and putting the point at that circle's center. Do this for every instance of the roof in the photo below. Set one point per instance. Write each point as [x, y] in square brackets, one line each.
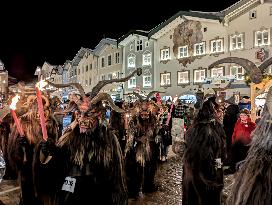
[199, 14]
[102, 43]
[80, 55]
[235, 6]
[132, 32]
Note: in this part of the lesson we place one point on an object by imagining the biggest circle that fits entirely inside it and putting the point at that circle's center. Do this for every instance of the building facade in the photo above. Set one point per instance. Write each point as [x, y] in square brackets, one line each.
[138, 51]
[3, 82]
[109, 66]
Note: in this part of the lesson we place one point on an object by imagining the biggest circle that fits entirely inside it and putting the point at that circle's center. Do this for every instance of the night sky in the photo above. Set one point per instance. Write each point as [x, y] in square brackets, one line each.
[33, 33]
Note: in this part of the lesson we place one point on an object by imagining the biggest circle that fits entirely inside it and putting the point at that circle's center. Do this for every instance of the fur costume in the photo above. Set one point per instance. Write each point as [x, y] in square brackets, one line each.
[24, 154]
[203, 171]
[89, 157]
[142, 150]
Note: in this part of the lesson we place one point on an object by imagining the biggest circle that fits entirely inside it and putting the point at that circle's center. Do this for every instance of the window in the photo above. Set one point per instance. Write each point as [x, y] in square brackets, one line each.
[183, 51]
[270, 10]
[91, 66]
[132, 82]
[131, 47]
[146, 44]
[86, 82]
[165, 79]
[199, 76]
[217, 46]
[90, 81]
[253, 14]
[117, 58]
[86, 68]
[78, 71]
[139, 45]
[102, 62]
[109, 60]
[236, 42]
[165, 54]
[237, 72]
[103, 77]
[217, 72]
[205, 29]
[183, 77]
[199, 49]
[147, 81]
[109, 76]
[262, 38]
[131, 61]
[147, 58]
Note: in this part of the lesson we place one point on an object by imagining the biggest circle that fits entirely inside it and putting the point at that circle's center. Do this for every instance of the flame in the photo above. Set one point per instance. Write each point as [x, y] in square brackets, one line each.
[41, 84]
[14, 101]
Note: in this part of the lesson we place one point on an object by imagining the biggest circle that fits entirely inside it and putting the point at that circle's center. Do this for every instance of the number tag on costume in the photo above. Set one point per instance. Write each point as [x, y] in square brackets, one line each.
[218, 163]
[69, 184]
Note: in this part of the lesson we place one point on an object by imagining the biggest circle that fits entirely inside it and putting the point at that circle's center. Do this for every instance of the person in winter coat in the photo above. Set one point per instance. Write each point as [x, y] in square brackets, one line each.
[241, 137]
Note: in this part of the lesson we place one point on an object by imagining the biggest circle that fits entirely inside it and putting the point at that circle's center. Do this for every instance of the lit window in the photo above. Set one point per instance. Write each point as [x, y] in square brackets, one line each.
[236, 42]
[132, 82]
[199, 49]
[237, 72]
[217, 72]
[199, 76]
[165, 79]
[109, 76]
[131, 61]
[183, 51]
[147, 58]
[217, 46]
[139, 45]
[147, 81]
[183, 77]
[165, 54]
[262, 38]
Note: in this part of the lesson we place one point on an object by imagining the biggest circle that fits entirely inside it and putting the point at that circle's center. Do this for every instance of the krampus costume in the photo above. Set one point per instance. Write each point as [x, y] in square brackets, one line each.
[205, 150]
[24, 153]
[89, 155]
[253, 182]
[142, 151]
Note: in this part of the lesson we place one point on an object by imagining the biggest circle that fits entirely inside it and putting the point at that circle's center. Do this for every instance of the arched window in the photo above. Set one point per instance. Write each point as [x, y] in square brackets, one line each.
[131, 61]
[147, 58]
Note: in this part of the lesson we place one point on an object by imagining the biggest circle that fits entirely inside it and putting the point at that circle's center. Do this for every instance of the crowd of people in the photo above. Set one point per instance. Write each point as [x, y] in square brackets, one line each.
[110, 151]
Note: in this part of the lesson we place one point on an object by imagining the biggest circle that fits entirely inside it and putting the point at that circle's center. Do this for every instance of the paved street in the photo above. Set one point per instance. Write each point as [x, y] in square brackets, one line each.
[168, 179]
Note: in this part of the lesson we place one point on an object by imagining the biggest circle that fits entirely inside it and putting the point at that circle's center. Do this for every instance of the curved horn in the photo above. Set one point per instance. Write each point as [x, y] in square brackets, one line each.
[151, 93]
[106, 96]
[254, 72]
[70, 108]
[265, 64]
[101, 84]
[75, 85]
[138, 96]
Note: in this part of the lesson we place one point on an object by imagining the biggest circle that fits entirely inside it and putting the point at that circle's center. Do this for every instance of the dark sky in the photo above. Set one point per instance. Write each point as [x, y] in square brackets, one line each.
[48, 31]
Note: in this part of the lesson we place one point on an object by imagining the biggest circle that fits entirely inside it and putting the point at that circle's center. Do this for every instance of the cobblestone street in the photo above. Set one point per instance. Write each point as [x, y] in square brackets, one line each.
[168, 179]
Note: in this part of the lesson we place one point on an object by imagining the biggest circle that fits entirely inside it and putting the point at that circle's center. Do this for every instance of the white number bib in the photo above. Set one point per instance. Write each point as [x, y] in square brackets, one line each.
[69, 184]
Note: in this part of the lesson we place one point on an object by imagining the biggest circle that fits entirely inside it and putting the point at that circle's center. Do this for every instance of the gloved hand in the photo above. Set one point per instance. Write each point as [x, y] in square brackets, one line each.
[47, 147]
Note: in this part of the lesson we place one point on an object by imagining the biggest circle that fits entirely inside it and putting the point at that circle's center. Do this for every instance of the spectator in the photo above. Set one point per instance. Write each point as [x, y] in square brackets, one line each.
[241, 137]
